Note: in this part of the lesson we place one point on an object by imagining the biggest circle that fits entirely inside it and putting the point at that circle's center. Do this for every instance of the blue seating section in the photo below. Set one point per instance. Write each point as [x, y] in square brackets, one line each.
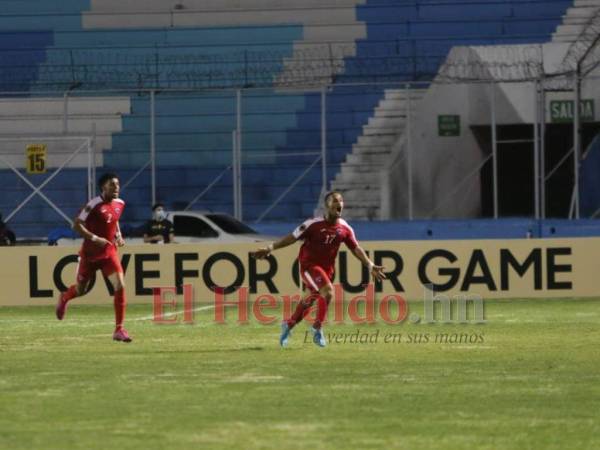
[21, 53]
[409, 41]
[405, 41]
[69, 190]
[196, 129]
[167, 58]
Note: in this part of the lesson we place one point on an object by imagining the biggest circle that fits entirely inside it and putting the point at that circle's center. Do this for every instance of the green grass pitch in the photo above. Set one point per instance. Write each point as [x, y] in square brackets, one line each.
[531, 381]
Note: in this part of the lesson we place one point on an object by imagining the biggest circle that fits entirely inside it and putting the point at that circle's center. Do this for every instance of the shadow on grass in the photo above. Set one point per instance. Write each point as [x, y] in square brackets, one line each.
[208, 350]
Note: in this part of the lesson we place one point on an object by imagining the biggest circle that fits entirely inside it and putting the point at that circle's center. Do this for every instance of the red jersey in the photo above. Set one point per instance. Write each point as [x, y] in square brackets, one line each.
[100, 217]
[322, 241]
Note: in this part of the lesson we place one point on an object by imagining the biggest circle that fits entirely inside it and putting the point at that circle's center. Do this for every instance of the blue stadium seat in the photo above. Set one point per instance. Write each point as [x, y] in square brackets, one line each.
[404, 41]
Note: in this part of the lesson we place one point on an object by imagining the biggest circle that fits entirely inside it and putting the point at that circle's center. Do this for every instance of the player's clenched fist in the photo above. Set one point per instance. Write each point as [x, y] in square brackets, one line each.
[261, 253]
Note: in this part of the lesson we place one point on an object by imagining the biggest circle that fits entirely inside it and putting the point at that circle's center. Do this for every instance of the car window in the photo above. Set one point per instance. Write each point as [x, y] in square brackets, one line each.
[193, 226]
[230, 224]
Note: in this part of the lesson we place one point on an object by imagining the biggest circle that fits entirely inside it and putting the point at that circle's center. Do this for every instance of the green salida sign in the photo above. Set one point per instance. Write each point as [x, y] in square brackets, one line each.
[561, 111]
[448, 125]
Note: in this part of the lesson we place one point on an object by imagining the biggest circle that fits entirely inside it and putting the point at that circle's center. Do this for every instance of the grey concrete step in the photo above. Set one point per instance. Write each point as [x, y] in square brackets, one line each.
[569, 30]
[375, 149]
[577, 20]
[376, 139]
[361, 213]
[400, 94]
[376, 159]
[382, 123]
[359, 174]
[351, 187]
[361, 178]
[585, 12]
[584, 3]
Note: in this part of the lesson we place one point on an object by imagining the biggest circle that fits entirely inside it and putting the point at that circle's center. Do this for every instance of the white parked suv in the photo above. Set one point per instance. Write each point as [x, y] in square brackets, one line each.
[197, 226]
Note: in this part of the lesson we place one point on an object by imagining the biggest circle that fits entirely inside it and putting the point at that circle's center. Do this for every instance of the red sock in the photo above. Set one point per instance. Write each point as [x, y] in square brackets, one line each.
[70, 293]
[120, 303]
[322, 306]
[302, 309]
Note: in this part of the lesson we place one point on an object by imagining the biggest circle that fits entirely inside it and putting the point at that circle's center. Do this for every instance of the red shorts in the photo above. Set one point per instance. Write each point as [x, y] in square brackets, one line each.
[315, 277]
[86, 269]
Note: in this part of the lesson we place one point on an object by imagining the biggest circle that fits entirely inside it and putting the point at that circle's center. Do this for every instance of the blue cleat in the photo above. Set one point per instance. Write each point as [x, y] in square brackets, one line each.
[318, 337]
[286, 332]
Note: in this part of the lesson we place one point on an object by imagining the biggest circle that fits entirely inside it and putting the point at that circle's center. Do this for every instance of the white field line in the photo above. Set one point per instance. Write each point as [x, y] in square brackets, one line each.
[174, 313]
[105, 322]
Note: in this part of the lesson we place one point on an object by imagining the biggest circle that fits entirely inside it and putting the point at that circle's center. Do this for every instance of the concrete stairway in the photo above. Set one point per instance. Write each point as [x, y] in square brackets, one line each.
[575, 19]
[42, 117]
[359, 177]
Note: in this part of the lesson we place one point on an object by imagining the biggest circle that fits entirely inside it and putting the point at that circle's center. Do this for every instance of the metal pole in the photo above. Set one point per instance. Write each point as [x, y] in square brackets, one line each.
[65, 124]
[494, 148]
[90, 181]
[153, 145]
[288, 189]
[234, 164]
[238, 148]
[323, 140]
[409, 165]
[543, 150]
[207, 188]
[576, 140]
[536, 153]
[95, 162]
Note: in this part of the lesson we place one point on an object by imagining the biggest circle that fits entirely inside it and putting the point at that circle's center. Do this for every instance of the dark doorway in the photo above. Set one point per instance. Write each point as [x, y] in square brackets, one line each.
[515, 171]
[515, 168]
[559, 186]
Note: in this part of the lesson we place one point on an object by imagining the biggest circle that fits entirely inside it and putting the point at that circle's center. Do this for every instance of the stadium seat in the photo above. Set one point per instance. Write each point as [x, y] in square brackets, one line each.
[223, 42]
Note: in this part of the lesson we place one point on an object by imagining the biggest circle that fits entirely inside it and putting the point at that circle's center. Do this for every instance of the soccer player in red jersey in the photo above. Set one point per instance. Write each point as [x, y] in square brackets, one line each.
[322, 239]
[98, 224]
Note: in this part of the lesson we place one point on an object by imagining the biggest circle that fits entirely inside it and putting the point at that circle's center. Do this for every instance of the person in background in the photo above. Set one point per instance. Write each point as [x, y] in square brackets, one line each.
[7, 237]
[159, 229]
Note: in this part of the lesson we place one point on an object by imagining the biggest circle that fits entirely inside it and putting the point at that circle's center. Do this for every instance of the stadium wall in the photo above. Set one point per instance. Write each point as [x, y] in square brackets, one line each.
[84, 47]
[435, 230]
[447, 169]
[486, 269]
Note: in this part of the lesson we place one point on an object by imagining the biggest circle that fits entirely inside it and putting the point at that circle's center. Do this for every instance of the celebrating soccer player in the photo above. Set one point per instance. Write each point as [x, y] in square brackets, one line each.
[98, 224]
[322, 239]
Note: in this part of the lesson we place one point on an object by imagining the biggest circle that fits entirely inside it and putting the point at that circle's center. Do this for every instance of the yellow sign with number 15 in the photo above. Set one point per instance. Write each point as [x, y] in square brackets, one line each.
[36, 158]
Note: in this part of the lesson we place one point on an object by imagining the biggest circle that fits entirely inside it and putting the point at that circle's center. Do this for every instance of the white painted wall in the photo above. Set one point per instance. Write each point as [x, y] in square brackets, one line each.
[441, 163]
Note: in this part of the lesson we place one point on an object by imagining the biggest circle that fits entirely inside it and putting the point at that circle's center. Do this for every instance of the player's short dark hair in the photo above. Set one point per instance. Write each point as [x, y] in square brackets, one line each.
[158, 205]
[104, 178]
[329, 194]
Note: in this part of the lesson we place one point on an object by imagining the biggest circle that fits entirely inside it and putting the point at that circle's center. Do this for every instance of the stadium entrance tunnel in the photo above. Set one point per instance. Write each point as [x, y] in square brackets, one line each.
[516, 168]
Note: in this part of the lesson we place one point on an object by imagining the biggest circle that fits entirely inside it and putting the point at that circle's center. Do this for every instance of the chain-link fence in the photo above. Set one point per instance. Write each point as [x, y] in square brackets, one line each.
[262, 134]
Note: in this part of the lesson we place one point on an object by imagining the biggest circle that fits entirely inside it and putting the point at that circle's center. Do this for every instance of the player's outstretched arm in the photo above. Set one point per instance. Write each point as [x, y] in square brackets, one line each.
[281, 243]
[80, 228]
[377, 272]
[119, 237]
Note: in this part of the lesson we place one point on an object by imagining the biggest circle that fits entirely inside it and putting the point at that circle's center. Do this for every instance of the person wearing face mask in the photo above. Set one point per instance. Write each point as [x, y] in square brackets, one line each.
[159, 229]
